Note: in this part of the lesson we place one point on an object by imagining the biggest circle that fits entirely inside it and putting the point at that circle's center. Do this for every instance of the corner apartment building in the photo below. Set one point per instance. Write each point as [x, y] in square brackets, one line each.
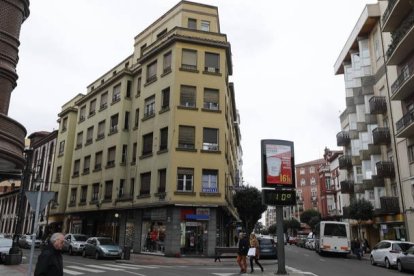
[397, 21]
[151, 154]
[367, 127]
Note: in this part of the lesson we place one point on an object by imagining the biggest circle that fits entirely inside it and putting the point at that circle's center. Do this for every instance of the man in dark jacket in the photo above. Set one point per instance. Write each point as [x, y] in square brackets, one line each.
[50, 261]
[242, 252]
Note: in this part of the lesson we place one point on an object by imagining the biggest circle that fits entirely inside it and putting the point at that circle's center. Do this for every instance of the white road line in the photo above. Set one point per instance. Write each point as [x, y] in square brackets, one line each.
[109, 268]
[140, 266]
[85, 269]
[71, 272]
[121, 266]
[322, 260]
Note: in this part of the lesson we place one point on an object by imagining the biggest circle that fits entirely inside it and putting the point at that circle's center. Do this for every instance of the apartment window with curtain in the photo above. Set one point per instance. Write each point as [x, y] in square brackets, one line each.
[101, 130]
[136, 121]
[95, 192]
[84, 194]
[139, 84]
[76, 167]
[64, 124]
[111, 157]
[205, 26]
[167, 63]
[162, 180]
[98, 160]
[149, 106]
[410, 150]
[108, 190]
[185, 177]
[188, 96]
[86, 164]
[186, 137]
[121, 189]
[113, 127]
[104, 101]
[79, 140]
[165, 104]
[89, 135]
[126, 120]
[128, 90]
[192, 23]
[211, 99]
[132, 187]
[147, 144]
[58, 174]
[210, 181]
[163, 138]
[82, 113]
[152, 72]
[72, 200]
[134, 153]
[92, 107]
[116, 93]
[124, 154]
[61, 147]
[189, 60]
[145, 183]
[210, 139]
[212, 63]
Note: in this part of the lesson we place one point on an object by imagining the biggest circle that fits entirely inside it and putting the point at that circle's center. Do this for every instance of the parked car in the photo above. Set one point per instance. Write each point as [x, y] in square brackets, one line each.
[300, 240]
[292, 240]
[5, 245]
[25, 241]
[310, 243]
[386, 252]
[406, 262]
[267, 247]
[74, 243]
[99, 247]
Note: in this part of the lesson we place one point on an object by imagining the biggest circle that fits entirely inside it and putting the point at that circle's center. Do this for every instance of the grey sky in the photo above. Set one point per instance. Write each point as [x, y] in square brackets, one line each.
[283, 57]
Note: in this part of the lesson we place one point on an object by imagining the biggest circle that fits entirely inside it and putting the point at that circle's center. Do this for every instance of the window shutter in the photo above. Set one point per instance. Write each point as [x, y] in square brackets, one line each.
[211, 96]
[212, 60]
[186, 135]
[189, 57]
[210, 135]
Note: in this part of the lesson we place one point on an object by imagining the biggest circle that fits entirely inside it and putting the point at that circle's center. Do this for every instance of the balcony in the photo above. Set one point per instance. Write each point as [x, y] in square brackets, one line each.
[402, 40]
[345, 162]
[385, 169]
[405, 126]
[342, 138]
[402, 88]
[347, 186]
[377, 105]
[389, 205]
[358, 188]
[378, 181]
[394, 13]
[367, 184]
[381, 136]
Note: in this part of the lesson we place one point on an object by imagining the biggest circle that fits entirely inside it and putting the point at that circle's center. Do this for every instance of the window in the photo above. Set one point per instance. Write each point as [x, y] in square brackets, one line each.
[79, 139]
[313, 181]
[167, 63]
[132, 187]
[185, 179]
[411, 153]
[61, 147]
[101, 130]
[121, 190]
[142, 49]
[152, 72]
[139, 82]
[92, 107]
[163, 32]
[95, 192]
[205, 25]
[164, 138]
[210, 139]
[98, 160]
[312, 170]
[84, 193]
[108, 190]
[162, 180]
[302, 171]
[147, 144]
[64, 124]
[212, 63]
[124, 154]
[89, 135]
[302, 182]
[211, 99]
[136, 121]
[111, 157]
[149, 106]
[192, 23]
[186, 137]
[86, 164]
[145, 183]
[82, 113]
[128, 91]
[188, 96]
[116, 93]
[113, 127]
[104, 101]
[76, 167]
[126, 120]
[189, 59]
[58, 174]
[165, 104]
[72, 200]
[209, 181]
[134, 153]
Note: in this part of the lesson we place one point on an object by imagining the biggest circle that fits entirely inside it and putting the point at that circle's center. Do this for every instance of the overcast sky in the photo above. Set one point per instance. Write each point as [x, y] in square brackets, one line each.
[283, 57]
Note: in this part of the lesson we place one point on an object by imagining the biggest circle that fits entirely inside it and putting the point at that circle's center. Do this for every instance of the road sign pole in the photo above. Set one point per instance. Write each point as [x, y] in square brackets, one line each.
[36, 225]
[281, 269]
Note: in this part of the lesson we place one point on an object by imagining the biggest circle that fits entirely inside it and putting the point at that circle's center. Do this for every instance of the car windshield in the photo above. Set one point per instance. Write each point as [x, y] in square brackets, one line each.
[106, 242]
[266, 242]
[80, 237]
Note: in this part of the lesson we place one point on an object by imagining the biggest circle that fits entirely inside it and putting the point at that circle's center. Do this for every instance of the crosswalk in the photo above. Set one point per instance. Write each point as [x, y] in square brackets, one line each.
[102, 268]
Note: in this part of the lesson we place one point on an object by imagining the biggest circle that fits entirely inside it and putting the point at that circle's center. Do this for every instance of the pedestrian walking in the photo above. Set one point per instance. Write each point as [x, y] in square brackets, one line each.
[242, 252]
[49, 262]
[254, 243]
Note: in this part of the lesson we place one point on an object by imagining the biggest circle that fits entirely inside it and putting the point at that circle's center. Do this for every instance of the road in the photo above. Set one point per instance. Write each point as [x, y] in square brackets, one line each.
[299, 261]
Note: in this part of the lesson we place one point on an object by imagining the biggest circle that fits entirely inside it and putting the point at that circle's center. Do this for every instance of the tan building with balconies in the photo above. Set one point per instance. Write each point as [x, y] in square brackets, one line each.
[151, 154]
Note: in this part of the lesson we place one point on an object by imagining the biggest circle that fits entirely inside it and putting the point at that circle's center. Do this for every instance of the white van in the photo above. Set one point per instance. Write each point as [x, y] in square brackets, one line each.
[332, 237]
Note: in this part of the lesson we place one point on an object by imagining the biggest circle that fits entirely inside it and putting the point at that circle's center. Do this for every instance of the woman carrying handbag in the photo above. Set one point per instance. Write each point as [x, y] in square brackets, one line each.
[254, 253]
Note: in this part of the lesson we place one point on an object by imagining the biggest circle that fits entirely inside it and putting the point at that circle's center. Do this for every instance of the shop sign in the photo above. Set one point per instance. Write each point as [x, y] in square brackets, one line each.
[197, 217]
[203, 211]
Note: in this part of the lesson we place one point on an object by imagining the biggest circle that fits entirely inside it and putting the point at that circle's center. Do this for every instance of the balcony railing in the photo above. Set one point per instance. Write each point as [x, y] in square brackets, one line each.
[389, 205]
[391, 4]
[378, 181]
[345, 162]
[405, 74]
[385, 169]
[405, 121]
[342, 138]
[399, 34]
[381, 136]
[367, 184]
[347, 186]
[377, 105]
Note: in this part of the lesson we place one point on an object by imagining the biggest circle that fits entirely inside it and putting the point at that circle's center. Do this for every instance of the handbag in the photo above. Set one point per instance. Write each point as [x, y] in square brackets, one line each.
[251, 252]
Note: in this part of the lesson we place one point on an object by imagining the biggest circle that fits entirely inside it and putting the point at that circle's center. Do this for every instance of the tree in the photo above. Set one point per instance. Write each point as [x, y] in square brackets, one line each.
[361, 210]
[249, 206]
[307, 215]
[292, 225]
[272, 229]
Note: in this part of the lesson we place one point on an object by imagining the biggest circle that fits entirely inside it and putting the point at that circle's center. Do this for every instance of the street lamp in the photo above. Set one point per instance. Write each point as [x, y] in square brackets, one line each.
[116, 226]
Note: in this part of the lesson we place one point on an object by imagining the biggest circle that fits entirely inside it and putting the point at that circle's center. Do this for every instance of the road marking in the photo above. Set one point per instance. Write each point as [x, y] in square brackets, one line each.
[300, 271]
[225, 274]
[109, 268]
[307, 255]
[121, 266]
[71, 272]
[140, 266]
[322, 260]
[85, 269]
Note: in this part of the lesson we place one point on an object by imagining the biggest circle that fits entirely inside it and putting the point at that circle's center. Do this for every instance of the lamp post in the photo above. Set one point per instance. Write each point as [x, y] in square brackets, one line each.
[116, 226]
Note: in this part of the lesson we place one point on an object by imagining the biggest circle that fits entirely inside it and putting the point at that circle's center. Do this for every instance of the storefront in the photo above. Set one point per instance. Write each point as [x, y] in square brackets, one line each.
[194, 231]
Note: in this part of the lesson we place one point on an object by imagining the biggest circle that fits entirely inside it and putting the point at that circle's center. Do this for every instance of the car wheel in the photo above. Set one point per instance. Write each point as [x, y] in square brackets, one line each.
[387, 263]
[96, 255]
[84, 253]
[70, 251]
[399, 266]
[372, 260]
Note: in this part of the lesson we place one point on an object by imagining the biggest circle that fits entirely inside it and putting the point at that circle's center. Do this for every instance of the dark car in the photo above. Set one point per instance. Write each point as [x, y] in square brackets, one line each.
[100, 247]
[268, 248]
[406, 262]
